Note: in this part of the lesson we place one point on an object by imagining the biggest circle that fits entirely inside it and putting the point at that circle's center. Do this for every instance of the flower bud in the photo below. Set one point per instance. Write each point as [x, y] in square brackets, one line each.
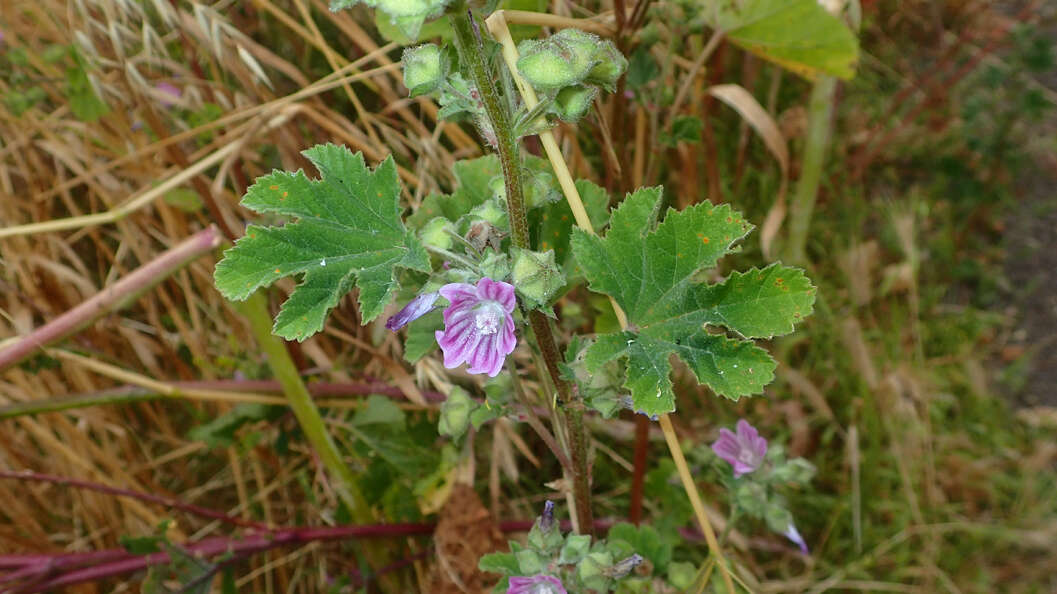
[435, 233]
[455, 413]
[610, 64]
[536, 276]
[562, 59]
[573, 102]
[415, 309]
[424, 69]
[547, 517]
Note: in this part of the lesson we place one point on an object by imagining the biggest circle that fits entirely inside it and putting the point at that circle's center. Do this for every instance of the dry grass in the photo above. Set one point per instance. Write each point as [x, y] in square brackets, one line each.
[104, 192]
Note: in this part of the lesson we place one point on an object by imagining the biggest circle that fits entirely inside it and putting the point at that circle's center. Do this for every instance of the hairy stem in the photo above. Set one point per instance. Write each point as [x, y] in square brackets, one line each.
[471, 53]
[498, 26]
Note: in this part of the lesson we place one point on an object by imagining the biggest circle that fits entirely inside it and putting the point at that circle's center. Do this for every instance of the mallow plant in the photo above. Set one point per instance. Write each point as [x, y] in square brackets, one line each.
[481, 274]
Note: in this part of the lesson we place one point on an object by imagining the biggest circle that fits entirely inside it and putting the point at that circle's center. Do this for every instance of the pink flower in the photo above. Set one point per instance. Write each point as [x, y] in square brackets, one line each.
[537, 584]
[168, 94]
[744, 451]
[478, 327]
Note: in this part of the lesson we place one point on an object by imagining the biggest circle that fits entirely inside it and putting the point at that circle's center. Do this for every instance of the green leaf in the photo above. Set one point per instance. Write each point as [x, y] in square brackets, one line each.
[553, 224]
[644, 540]
[684, 129]
[653, 272]
[799, 35]
[84, 103]
[498, 563]
[759, 303]
[220, 432]
[379, 411]
[421, 337]
[472, 188]
[642, 68]
[348, 233]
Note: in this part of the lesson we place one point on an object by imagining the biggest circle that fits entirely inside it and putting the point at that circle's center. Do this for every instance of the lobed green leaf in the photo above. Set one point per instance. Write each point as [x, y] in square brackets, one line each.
[348, 234]
[653, 271]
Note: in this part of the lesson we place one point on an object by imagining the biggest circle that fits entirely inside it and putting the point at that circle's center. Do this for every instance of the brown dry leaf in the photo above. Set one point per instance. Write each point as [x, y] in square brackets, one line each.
[465, 532]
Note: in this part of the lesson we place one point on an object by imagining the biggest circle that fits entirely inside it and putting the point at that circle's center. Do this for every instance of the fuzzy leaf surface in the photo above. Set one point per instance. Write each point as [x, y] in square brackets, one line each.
[348, 233]
[653, 269]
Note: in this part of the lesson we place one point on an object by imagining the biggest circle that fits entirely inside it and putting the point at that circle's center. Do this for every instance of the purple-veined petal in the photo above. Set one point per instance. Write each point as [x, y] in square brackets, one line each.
[415, 309]
[536, 584]
[478, 327]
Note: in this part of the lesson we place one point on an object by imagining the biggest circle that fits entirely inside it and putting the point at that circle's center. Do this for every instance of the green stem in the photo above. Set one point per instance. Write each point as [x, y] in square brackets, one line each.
[820, 115]
[471, 53]
[256, 311]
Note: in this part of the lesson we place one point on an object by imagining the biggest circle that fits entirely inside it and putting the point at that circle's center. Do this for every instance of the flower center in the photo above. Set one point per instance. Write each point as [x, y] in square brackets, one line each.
[488, 318]
[747, 456]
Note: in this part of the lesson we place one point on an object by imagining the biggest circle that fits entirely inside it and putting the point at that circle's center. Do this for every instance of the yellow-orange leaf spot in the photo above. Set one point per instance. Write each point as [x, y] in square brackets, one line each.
[543, 245]
[285, 194]
[565, 218]
[704, 240]
[556, 234]
[730, 220]
[276, 271]
[273, 187]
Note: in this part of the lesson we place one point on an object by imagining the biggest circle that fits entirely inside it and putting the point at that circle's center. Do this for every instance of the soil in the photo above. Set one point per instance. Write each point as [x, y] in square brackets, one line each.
[1031, 263]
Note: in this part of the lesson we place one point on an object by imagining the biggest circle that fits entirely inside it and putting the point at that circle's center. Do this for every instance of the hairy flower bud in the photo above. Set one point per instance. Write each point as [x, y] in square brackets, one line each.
[547, 518]
[424, 69]
[572, 102]
[610, 64]
[536, 276]
[560, 60]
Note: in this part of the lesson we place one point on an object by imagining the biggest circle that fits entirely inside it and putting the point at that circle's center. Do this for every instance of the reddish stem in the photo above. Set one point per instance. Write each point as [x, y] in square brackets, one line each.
[112, 298]
[28, 475]
[638, 476]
